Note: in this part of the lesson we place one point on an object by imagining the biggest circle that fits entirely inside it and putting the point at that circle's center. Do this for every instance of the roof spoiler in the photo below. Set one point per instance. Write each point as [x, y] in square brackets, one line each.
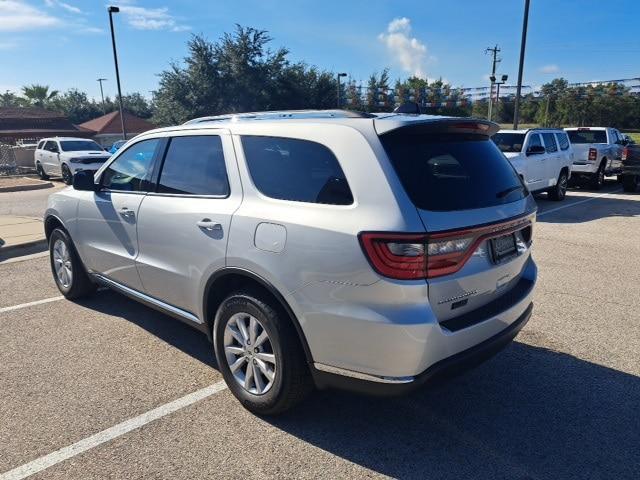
[427, 123]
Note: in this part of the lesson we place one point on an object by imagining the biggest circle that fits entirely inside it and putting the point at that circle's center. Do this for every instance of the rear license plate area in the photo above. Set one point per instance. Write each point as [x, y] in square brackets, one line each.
[503, 248]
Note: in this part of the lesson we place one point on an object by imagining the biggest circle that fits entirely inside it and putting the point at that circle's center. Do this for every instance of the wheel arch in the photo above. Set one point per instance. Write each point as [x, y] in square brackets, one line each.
[229, 279]
[51, 222]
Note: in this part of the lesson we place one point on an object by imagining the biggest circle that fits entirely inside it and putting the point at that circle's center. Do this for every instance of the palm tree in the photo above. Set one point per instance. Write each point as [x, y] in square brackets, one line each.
[38, 95]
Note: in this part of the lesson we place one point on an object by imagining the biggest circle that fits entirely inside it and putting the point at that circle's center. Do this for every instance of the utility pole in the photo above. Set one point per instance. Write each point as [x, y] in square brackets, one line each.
[523, 44]
[104, 107]
[339, 91]
[494, 51]
[111, 11]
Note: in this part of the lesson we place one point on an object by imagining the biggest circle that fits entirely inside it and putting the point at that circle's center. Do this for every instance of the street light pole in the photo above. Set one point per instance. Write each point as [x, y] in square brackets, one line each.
[104, 107]
[112, 10]
[523, 44]
[340, 75]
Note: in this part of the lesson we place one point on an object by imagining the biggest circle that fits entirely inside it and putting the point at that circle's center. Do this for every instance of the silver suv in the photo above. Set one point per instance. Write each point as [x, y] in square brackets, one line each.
[316, 248]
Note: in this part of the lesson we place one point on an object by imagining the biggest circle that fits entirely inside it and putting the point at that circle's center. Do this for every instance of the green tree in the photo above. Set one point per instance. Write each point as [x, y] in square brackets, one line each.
[38, 95]
[76, 106]
[10, 99]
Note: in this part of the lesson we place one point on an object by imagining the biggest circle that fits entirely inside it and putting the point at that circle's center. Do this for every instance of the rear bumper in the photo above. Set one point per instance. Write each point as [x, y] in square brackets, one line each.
[445, 368]
[582, 167]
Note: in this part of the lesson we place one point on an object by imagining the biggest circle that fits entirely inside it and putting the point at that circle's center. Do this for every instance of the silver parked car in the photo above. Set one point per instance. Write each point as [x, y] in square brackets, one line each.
[314, 248]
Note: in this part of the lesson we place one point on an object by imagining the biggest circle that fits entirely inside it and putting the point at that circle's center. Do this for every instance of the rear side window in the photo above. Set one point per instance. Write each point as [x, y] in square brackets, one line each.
[563, 141]
[194, 165]
[40, 145]
[587, 136]
[452, 171]
[298, 170]
[509, 142]
[550, 142]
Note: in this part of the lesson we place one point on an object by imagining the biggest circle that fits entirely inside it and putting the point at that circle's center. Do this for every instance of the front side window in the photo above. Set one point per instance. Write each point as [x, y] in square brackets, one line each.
[298, 170]
[534, 141]
[51, 146]
[131, 171]
[80, 146]
[550, 142]
[194, 165]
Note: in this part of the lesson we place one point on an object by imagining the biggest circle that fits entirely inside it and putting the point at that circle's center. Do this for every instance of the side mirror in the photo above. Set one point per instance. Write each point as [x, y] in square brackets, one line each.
[83, 180]
[535, 150]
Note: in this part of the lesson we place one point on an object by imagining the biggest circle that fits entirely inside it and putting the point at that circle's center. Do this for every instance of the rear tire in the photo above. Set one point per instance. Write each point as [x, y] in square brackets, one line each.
[630, 183]
[597, 181]
[67, 176]
[559, 191]
[277, 369]
[68, 271]
[41, 172]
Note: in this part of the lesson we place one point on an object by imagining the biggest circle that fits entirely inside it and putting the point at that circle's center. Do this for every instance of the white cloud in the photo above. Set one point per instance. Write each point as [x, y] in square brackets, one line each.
[550, 69]
[17, 15]
[143, 18]
[63, 5]
[409, 52]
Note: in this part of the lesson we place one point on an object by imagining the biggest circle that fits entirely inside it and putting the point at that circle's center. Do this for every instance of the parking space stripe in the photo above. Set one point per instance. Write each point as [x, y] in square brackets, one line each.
[31, 304]
[109, 434]
[579, 202]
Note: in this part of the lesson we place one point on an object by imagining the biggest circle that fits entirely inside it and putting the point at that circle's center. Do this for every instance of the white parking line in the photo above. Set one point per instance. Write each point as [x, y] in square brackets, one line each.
[30, 304]
[578, 203]
[104, 436]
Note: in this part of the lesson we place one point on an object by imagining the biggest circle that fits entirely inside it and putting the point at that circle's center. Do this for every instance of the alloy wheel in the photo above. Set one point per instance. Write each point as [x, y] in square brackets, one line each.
[62, 263]
[249, 353]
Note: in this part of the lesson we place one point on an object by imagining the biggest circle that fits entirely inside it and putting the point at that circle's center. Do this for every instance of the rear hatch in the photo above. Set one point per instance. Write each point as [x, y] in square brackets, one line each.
[583, 139]
[477, 214]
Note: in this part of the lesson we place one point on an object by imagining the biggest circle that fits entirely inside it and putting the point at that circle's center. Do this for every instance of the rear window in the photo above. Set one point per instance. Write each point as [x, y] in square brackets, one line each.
[509, 142]
[452, 171]
[587, 136]
[298, 170]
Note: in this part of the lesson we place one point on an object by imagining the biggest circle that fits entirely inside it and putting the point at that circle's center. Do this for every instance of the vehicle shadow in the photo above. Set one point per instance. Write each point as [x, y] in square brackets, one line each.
[166, 328]
[528, 413]
[601, 207]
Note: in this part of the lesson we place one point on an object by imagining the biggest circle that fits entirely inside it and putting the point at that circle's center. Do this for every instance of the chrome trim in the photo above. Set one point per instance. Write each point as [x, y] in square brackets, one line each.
[362, 376]
[146, 298]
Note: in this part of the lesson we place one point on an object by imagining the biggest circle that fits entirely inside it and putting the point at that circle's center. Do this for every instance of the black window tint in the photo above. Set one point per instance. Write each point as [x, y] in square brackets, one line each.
[534, 141]
[131, 171]
[194, 165]
[563, 140]
[550, 142]
[509, 142]
[588, 136]
[51, 146]
[40, 145]
[299, 170]
[452, 171]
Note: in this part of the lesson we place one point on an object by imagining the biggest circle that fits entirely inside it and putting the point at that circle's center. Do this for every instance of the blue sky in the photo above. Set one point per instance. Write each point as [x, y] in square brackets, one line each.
[66, 43]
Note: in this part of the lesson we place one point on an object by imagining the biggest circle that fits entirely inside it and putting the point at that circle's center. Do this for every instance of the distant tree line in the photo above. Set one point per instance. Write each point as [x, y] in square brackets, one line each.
[240, 73]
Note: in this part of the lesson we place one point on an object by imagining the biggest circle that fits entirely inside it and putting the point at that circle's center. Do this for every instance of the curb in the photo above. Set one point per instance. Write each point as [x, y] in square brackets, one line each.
[22, 249]
[26, 187]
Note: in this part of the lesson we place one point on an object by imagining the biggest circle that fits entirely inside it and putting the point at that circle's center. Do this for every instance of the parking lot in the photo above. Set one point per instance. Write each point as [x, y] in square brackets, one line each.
[137, 395]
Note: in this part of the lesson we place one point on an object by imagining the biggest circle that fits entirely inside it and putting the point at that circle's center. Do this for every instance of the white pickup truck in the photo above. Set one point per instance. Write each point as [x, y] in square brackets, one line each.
[598, 153]
[543, 158]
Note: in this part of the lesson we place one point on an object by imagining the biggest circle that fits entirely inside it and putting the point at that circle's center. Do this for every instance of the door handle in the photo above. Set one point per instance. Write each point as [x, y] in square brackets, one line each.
[125, 212]
[209, 225]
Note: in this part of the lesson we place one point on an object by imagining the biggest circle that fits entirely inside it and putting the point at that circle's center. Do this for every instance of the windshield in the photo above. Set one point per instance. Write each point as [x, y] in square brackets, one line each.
[509, 142]
[80, 145]
[452, 171]
[587, 136]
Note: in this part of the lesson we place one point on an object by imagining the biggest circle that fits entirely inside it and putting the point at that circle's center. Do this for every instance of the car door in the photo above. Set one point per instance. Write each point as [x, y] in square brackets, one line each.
[551, 164]
[535, 163]
[50, 157]
[184, 225]
[108, 218]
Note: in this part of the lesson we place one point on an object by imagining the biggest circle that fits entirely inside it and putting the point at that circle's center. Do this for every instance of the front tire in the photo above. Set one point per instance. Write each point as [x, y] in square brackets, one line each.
[259, 354]
[68, 271]
[41, 173]
[67, 176]
[559, 191]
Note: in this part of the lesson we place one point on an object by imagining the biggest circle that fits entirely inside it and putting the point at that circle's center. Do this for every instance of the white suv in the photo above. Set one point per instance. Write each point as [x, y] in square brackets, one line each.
[542, 157]
[65, 156]
[313, 248]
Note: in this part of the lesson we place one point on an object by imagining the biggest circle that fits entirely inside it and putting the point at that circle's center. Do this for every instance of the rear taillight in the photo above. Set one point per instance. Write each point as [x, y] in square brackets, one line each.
[593, 154]
[419, 256]
[625, 153]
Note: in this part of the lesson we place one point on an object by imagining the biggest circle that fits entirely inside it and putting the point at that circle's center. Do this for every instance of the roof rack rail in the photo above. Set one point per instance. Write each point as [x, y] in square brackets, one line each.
[281, 115]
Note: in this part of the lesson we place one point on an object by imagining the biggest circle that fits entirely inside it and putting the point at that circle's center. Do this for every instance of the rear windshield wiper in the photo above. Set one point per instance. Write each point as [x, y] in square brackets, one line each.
[506, 192]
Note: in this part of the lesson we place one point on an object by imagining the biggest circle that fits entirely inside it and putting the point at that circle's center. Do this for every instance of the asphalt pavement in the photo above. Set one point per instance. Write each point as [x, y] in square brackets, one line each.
[561, 402]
